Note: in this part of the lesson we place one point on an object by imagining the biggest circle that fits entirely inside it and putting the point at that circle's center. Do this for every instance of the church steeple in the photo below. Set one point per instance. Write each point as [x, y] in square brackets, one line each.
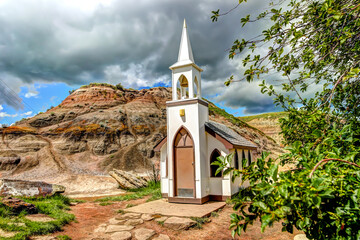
[185, 70]
[185, 51]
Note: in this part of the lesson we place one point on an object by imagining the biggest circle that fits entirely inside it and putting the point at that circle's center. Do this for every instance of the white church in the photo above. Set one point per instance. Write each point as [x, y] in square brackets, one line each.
[193, 142]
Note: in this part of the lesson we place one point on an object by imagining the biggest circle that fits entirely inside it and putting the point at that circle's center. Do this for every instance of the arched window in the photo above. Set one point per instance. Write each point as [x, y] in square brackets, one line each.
[183, 139]
[184, 84]
[236, 160]
[213, 157]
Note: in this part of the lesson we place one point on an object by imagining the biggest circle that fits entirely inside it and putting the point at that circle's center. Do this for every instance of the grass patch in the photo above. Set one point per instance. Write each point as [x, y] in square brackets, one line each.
[63, 237]
[105, 203]
[54, 206]
[200, 221]
[214, 110]
[214, 214]
[272, 116]
[77, 201]
[130, 205]
[152, 189]
[161, 223]
[120, 211]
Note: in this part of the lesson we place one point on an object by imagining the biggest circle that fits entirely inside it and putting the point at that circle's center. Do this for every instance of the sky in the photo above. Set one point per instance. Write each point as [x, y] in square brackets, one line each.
[48, 48]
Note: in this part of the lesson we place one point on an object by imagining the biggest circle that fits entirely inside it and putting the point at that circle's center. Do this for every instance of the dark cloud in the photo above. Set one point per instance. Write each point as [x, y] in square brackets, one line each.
[124, 42]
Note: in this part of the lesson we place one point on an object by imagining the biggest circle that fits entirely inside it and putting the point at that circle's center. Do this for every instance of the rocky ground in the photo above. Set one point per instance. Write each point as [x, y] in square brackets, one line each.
[95, 222]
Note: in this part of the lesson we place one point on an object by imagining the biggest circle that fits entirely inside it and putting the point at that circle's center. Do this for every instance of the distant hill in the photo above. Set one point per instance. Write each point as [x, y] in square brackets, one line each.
[99, 127]
[267, 123]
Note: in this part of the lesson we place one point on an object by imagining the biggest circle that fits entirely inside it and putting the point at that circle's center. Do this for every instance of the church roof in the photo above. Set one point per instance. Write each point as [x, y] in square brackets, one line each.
[228, 134]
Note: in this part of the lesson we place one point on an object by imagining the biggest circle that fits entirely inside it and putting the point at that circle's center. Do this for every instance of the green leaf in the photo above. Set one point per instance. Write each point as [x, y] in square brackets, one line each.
[261, 205]
[316, 201]
[316, 182]
[274, 172]
[283, 190]
[266, 220]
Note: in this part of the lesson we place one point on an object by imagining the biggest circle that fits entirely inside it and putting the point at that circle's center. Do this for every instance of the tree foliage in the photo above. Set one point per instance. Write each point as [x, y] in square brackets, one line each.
[311, 44]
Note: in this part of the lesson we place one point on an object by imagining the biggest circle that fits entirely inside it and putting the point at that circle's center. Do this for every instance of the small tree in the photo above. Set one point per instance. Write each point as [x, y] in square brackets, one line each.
[310, 43]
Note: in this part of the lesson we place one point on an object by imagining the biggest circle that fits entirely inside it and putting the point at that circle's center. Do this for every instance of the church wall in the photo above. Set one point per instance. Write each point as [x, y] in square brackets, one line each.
[191, 122]
[163, 165]
[215, 186]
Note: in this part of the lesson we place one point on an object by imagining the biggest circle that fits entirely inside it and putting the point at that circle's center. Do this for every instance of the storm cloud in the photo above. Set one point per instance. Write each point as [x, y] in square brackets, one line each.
[122, 42]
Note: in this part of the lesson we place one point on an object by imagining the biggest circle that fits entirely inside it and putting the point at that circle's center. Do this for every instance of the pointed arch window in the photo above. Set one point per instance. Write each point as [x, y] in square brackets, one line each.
[213, 157]
[183, 139]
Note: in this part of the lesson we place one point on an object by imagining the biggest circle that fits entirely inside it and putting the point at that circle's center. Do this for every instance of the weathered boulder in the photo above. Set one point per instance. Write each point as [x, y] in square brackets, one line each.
[121, 236]
[134, 222]
[4, 234]
[127, 216]
[17, 205]
[162, 237]
[147, 217]
[118, 228]
[39, 218]
[177, 223]
[128, 180]
[144, 233]
[9, 187]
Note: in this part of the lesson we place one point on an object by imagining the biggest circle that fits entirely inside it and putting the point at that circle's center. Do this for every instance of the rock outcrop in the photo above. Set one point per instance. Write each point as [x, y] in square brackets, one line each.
[128, 180]
[17, 205]
[9, 187]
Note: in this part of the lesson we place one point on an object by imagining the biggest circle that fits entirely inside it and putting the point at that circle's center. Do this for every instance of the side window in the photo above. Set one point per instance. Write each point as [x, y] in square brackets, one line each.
[213, 157]
[249, 157]
[236, 160]
[243, 159]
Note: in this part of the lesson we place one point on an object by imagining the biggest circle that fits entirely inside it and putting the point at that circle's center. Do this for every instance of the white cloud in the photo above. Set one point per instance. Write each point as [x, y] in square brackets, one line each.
[4, 114]
[1, 107]
[31, 94]
[27, 113]
[136, 76]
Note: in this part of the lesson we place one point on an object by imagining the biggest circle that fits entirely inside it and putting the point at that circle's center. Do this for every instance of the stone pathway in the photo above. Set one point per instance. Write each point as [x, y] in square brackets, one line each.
[128, 226]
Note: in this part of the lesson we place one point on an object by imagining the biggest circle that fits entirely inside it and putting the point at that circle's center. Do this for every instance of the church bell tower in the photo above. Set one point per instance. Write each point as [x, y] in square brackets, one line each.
[186, 75]
[186, 117]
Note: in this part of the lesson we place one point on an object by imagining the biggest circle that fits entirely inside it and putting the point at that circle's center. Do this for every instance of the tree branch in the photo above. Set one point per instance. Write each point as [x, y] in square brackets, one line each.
[328, 160]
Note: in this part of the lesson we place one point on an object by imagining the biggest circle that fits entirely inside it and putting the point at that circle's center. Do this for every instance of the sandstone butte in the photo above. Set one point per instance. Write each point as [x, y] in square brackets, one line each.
[99, 127]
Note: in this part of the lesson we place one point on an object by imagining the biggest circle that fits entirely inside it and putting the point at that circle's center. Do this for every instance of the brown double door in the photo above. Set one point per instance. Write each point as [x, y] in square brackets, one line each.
[184, 165]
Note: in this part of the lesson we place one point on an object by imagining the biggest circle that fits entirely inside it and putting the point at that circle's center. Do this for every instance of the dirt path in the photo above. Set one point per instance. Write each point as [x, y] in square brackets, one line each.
[218, 229]
[90, 215]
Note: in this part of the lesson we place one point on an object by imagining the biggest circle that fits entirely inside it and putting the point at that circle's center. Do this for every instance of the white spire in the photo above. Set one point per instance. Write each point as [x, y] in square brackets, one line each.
[185, 57]
[185, 51]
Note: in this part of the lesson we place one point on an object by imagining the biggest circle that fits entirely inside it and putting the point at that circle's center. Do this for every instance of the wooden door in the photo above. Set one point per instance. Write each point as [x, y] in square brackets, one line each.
[184, 165]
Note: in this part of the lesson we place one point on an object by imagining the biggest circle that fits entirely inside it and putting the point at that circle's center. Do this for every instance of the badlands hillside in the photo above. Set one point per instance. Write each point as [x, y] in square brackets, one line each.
[95, 129]
[267, 123]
